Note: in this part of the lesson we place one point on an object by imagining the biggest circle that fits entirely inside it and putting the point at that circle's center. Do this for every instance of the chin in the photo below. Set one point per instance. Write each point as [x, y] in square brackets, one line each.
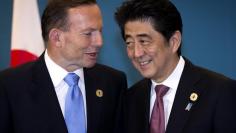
[89, 65]
[146, 74]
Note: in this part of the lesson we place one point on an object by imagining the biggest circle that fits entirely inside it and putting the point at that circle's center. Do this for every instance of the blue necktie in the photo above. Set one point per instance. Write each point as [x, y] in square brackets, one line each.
[74, 106]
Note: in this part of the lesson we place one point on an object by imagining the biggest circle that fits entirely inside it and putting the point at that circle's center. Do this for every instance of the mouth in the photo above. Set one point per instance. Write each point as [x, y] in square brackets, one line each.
[92, 55]
[143, 63]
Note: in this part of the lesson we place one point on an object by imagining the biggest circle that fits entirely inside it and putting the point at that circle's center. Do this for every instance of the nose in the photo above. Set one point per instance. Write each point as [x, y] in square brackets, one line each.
[138, 50]
[98, 40]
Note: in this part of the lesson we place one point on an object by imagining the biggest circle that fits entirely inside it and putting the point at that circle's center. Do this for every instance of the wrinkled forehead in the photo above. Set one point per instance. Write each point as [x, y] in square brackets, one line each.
[85, 16]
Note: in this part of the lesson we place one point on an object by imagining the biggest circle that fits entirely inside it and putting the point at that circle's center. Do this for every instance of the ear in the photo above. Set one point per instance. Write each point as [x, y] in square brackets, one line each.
[55, 36]
[175, 41]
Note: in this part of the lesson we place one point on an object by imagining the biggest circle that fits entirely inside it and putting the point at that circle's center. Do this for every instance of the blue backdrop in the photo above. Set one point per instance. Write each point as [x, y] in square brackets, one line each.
[208, 39]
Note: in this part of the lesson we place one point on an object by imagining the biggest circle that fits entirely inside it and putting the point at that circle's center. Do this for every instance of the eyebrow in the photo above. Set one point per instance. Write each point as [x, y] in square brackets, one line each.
[90, 29]
[139, 35]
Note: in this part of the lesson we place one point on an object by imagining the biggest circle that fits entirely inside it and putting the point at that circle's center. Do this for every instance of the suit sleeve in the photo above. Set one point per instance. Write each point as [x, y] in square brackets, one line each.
[5, 118]
[225, 115]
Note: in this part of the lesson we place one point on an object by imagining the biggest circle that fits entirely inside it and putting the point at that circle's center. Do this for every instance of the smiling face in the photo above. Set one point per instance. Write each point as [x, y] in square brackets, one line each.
[151, 54]
[79, 46]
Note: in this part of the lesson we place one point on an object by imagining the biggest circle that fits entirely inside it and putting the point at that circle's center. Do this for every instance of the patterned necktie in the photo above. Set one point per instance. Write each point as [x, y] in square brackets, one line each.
[74, 106]
[158, 116]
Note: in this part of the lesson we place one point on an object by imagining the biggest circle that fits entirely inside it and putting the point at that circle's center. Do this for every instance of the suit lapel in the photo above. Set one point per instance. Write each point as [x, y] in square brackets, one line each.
[44, 95]
[187, 85]
[145, 102]
[94, 103]
[138, 107]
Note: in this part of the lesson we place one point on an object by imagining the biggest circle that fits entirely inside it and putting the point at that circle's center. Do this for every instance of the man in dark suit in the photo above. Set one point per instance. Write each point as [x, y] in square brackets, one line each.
[33, 97]
[175, 96]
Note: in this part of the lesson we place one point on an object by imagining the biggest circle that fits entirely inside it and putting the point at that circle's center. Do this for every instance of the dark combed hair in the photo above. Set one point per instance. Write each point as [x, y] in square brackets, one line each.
[162, 14]
[55, 14]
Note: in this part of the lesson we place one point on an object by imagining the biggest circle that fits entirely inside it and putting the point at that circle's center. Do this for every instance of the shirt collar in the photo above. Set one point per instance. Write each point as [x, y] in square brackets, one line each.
[172, 81]
[57, 73]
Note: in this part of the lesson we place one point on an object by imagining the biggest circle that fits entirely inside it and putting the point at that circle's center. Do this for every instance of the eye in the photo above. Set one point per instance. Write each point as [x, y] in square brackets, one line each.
[129, 42]
[144, 42]
[87, 33]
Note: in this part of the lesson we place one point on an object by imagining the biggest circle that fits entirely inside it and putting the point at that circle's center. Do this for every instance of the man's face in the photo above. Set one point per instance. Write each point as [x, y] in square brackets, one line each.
[149, 51]
[83, 40]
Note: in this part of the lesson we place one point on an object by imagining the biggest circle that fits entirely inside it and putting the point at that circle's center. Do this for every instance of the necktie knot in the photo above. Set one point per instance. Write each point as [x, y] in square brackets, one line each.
[71, 79]
[161, 90]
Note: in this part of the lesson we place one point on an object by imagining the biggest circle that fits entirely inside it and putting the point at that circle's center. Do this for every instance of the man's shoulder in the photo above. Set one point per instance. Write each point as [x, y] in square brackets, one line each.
[139, 86]
[17, 71]
[18, 76]
[205, 75]
[211, 75]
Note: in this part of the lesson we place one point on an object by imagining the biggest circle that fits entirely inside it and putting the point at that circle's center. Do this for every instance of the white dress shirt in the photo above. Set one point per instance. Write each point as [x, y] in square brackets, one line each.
[57, 74]
[172, 82]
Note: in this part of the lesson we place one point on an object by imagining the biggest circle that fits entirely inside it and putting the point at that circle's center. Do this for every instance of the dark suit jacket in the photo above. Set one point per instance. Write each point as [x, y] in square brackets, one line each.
[213, 112]
[28, 102]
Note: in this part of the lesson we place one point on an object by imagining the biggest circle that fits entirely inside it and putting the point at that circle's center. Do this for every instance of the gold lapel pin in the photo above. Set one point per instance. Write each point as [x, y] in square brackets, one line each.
[193, 97]
[99, 93]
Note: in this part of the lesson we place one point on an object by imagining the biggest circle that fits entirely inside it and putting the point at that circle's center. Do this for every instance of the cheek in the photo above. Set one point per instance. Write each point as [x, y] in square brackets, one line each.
[78, 42]
[154, 52]
[129, 53]
[84, 43]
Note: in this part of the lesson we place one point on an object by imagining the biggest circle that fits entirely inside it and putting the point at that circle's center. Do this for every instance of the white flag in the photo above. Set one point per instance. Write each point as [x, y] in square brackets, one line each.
[26, 41]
